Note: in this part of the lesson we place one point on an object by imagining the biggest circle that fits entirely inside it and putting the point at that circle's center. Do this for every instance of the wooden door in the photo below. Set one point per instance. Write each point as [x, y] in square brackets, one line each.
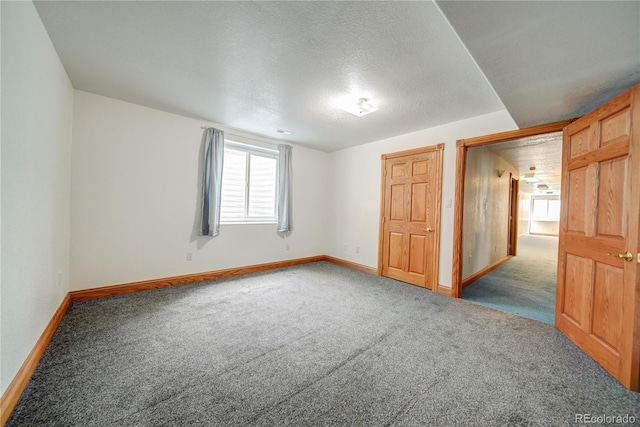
[513, 215]
[598, 296]
[410, 223]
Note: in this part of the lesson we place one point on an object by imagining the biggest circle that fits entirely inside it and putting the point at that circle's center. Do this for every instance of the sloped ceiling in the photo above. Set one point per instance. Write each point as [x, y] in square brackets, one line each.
[551, 60]
[264, 66]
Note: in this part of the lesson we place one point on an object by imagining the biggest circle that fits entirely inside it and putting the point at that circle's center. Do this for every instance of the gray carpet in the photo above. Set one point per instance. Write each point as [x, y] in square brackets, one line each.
[525, 285]
[310, 345]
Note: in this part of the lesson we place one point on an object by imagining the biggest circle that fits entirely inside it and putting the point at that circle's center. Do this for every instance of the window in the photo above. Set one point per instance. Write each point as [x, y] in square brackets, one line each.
[545, 210]
[248, 184]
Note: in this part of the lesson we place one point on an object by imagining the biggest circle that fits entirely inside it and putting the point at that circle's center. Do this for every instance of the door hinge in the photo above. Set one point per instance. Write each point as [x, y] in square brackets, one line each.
[638, 258]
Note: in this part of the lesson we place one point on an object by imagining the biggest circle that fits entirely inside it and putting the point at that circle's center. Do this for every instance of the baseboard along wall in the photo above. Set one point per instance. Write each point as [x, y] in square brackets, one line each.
[475, 276]
[444, 290]
[351, 265]
[145, 285]
[14, 391]
[16, 388]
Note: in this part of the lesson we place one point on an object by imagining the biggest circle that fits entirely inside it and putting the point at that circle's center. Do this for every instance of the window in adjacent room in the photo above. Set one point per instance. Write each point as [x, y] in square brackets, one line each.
[545, 209]
[248, 184]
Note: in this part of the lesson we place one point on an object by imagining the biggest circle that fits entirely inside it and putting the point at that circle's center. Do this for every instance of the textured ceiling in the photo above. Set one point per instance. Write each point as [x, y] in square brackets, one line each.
[544, 152]
[263, 66]
[551, 60]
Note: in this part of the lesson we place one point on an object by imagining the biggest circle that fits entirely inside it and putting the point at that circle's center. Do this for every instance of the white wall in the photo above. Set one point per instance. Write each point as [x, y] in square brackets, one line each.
[524, 208]
[36, 156]
[486, 210]
[545, 228]
[135, 194]
[355, 188]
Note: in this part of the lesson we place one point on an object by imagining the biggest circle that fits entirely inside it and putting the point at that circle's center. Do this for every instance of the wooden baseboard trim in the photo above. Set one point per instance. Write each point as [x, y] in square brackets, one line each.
[145, 285]
[125, 288]
[16, 388]
[14, 391]
[475, 276]
[352, 265]
[444, 290]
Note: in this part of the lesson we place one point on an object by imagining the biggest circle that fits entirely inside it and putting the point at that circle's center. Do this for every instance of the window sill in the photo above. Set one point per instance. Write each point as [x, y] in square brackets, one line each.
[266, 222]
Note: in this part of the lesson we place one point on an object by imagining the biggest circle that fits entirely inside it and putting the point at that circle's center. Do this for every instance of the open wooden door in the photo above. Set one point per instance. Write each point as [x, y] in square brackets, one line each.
[410, 220]
[598, 294]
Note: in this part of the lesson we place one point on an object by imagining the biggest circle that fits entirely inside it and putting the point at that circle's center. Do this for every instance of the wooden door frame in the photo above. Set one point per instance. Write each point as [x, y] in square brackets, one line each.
[514, 201]
[462, 145]
[439, 148]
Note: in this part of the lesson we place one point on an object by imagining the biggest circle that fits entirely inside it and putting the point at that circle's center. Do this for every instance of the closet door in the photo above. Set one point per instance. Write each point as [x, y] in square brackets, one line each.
[411, 215]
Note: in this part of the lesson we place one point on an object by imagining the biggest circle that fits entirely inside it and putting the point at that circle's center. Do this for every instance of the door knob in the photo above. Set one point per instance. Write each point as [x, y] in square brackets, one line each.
[627, 256]
[429, 230]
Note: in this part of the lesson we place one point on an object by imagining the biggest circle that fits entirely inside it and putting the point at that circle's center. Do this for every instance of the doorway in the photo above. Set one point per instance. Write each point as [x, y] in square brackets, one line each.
[463, 146]
[498, 178]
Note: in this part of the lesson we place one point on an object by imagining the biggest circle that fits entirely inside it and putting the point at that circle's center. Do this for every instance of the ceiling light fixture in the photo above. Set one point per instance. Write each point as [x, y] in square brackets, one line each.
[531, 177]
[284, 132]
[361, 107]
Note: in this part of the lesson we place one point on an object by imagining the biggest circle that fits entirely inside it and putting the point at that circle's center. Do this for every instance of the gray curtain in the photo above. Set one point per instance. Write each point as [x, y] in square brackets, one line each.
[285, 222]
[213, 141]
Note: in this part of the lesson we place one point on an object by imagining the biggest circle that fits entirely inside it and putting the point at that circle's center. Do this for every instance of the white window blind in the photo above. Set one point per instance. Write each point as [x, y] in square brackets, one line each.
[248, 184]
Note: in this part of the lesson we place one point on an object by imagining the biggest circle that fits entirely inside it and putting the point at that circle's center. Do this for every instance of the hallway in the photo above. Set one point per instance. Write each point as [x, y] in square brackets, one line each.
[525, 285]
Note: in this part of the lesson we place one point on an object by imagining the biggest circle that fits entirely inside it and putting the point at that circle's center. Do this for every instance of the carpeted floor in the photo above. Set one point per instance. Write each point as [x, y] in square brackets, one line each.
[311, 345]
[525, 285]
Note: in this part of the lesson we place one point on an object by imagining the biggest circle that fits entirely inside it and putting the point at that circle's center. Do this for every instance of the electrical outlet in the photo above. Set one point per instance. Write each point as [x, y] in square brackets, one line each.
[357, 249]
[346, 248]
[287, 247]
[189, 256]
[59, 278]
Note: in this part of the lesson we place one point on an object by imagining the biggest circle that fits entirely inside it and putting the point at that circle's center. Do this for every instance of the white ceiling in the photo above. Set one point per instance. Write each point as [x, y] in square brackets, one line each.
[263, 66]
[543, 152]
[551, 60]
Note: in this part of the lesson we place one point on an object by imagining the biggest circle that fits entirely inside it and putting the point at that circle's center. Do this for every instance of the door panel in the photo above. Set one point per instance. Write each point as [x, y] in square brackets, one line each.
[579, 143]
[417, 254]
[419, 202]
[597, 304]
[577, 288]
[397, 203]
[577, 186]
[607, 299]
[395, 251]
[411, 216]
[420, 168]
[398, 170]
[611, 213]
[616, 126]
